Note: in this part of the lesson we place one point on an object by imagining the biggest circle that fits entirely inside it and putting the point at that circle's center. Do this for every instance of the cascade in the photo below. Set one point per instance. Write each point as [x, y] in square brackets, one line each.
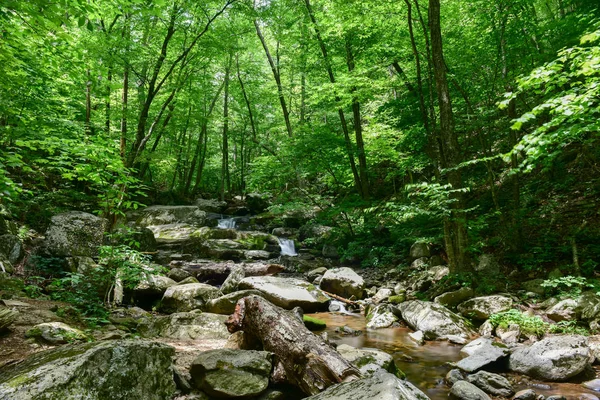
[287, 247]
[226, 223]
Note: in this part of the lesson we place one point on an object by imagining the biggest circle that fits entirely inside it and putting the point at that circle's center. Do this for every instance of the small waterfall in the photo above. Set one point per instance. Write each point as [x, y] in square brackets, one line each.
[287, 247]
[337, 306]
[2, 266]
[226, 223]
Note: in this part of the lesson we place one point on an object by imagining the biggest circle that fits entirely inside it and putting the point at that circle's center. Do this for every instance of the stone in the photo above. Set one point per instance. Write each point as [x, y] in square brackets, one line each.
[382, 295]
[420, 264]
[367, 360]
[319, 233]
[397, 299]
[343, 282]
[420, 249]
[211, 205]
[257, 255]
[417, 337]
[189, 279]
[75, 233]
[150, 284]
[564, 310]
[118, 369]
[381, 385]
[480, 353]
[185, 326]
[287, 292]
[534, 286]
[381, 316]
[11, 247]
[509, 335]
[7, 317]
[55, 333]
[226, 304]
[527, 394]
[435, 320]
[555, 358]
[480, 308]
[453, 376]
[463, 390]
[424, 279]
[594, 385]
[284, 232]
[455, 297]
[494, 384]
[487, 329]
[164, 215]
[313, 324]
[226, 373]
[314, 273]
[488, 265]
[188, 297]
[178, 274]
[233, 280]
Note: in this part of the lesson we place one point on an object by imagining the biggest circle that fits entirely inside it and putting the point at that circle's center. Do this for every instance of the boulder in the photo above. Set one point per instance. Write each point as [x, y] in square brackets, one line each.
[123, 369]
[488, 265]
[381, 385]
[150, 284]
[233, 280]
[188, 297]
[463, 390]
[7, 317]
[382, 295]
[343, 282]
[211, 205]
[227, 373]
[481, 352]
[555, 358]
[480, 308]
[564, 310]
[178, 274]
[417, 337]
[55, 333]
[185, 326]
[319, 233]
[11, 247]
[435, 320]
[315, 273]
[510, 334]
[424, 279]
[527, 394]
[534, 286]
[455, 297]
[453, 376]
[367, 360]
[419, 249]
[287, 292]
[75, 233]
[257, 202]
[381, 316]
[226, 304]
[494, 384]
[163, 215]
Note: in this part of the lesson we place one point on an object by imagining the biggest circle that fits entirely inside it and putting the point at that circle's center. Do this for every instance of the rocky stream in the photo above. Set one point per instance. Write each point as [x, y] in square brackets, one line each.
[233, 314]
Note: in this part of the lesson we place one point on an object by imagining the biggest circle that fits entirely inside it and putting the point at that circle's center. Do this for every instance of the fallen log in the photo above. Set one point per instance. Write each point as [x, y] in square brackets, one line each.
[301, 357]
[340, 298]
[216, 273]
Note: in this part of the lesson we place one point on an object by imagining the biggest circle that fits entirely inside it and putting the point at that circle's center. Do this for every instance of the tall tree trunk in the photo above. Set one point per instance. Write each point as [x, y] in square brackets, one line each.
[455, 229]
[88, 103]
[225, 184]
[108, 92]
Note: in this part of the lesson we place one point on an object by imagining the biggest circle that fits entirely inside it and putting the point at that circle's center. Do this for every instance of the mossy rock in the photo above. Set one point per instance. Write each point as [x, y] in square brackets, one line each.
[397, 299]
[314, 324]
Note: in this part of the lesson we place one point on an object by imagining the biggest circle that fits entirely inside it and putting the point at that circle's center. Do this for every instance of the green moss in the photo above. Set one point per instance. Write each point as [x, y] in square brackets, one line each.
[397, 299]
[314, 324]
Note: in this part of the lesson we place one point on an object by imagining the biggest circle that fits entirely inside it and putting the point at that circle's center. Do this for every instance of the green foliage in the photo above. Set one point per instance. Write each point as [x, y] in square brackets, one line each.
[568, 286]
[569, 328]
[530, 325]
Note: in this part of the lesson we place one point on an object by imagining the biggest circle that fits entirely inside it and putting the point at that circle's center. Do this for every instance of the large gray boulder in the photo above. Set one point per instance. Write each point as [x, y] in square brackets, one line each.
[419, 250]
[11, 248]
[151, 284]
[163, 215]
[494, 384]
[185, 326]
[226, 304]
[380, 316]
[434, 320]
[228, 373]
[381, 386]
[55, 333]
[555, 358]
[455, 297]
[480, 308]
[343, 282]
[287, 292]
[367, 360]
[75, 233]
[125, 369]
[188, 297]
[233, 280]
[463, 390]
[564, 310]
[481, 352]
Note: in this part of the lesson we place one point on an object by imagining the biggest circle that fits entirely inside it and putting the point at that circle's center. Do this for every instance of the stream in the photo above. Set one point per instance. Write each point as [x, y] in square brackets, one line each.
[425, 366]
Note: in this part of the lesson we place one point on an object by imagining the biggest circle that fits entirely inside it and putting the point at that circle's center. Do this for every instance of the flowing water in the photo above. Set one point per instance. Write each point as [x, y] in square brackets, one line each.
[226, 223]
[424, 366]
[287, 247]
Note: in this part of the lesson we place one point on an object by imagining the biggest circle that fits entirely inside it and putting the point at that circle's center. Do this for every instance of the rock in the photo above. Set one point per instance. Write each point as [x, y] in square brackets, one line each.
[463, 390]
[480, 308]
[287, 292]
[314, 273]
[313, 324]
[419, 249]
[124, 369]
[367, 360]
[594, 385]
[555, 358]
[527, 394]
[381, 385]
[454, 298]
[494, 384]
[7, 317]
[487, 329]
[488, 265]
[509, 335]
[381, 316]
[233, 279]
[11, 247]
[594, 344]
[257, 202]
[257, 255]
[211, 205]
[185, 326]
[55, 333]
[226, 304]
[319, 233]
[382, 295]
[420, 264]
[6, 225]
[435, 320]
[153, 285]
[347, 331]
[189, 279]
[226, 373]
[425, 279]
[188, 297]
[178, 274]
[128, 317]
[164, 215]
[284, 232]
[330, 251]
[75, 233]
[534, 286]
[417, 337]
[481, 352]
[564, 310]
[343, 282]
[453, 376]
[397, 299]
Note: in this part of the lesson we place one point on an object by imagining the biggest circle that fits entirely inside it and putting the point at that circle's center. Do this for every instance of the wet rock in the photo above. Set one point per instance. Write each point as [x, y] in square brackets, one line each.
[185, 326]
[367, 360]
[555, 397]
[284, 232]
[164, 215]
[494, 384]
[75, 233]
[124, 369]
[435, 320]
[453, 376]
[226, 304]
[463, 390]
[151, 285]
[188, 297]
[56, 333]
[481, 352]
[381, 385]
[419, 249]
[382, 294]
[178, 274]
[486, 329]
[287, 292]
[417, 337]
[564, 310]
[381, 316]
[347, 331]
[554, 358]
[343, 282]
[226, 373]
[480, 308]
[314, 273]
[509, 335]
[594, 385]
[527, 394]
